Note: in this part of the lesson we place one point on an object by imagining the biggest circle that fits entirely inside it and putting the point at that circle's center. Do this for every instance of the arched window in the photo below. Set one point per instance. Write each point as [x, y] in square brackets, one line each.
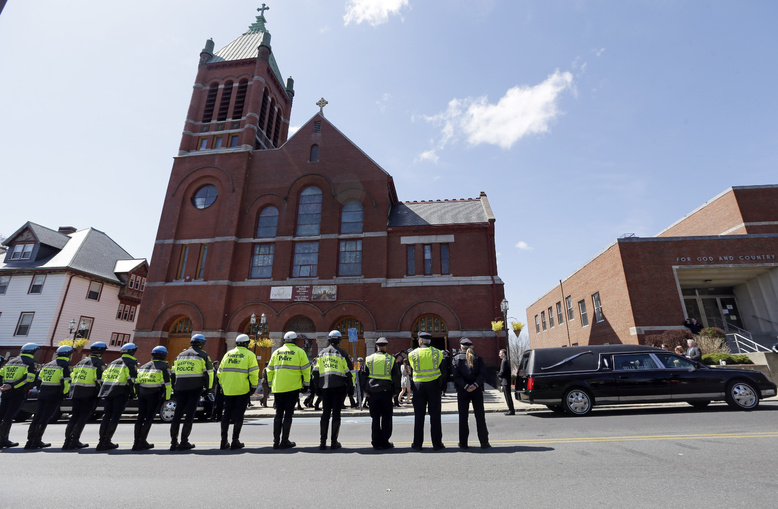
[210, 102]
[205, 196]
[224, 106]
[350, 322]
[277, 128]
[263, 111]
[268, 221]
[309, 212]
[314, 154]
[270, 119]
[351, 218]
[432, 324]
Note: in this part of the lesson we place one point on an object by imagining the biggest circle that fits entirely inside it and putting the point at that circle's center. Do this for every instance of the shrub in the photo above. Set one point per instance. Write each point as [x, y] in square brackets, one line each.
[672, 338]
[716, 358]
[713, 332]
[714, 343]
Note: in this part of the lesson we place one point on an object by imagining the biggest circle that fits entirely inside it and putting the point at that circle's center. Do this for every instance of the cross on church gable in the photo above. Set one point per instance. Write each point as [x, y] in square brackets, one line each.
[262, 10]
[321, 103]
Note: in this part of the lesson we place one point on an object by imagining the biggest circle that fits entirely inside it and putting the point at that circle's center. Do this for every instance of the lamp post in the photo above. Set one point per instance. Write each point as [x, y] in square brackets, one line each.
[504, 309]
[74, 331]
[255, 329]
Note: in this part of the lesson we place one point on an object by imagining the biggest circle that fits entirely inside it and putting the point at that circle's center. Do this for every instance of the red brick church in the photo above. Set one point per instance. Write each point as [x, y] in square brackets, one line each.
[307, 231]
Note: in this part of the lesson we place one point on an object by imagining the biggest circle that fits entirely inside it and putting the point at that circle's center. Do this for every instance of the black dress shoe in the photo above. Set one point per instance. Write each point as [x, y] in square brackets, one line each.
[416, 447]
[236, 445]
[388, 445]
[486, 445]
[286, 445]
[224, 445]
[185, 446]
[463, 445]
[335, 445]
[510, 413]
[438, 447]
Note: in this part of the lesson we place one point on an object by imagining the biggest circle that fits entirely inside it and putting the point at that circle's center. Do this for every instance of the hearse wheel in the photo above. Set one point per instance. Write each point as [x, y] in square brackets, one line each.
[742, 395]
[577, 402]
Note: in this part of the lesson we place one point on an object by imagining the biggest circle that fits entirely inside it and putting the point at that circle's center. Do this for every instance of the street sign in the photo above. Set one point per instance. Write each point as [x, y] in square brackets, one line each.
[352, 335]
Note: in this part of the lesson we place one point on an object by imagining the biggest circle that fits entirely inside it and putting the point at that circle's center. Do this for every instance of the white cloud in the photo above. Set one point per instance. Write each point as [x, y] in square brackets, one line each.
[522, 111]
[383, 100]
[374, 12]
[599, 52]
[523, 246]
[428, 155]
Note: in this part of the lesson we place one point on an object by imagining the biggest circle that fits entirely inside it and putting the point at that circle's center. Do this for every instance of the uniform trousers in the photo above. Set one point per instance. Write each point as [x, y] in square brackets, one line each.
[285, 403]
[48, 404]
[381, 409]
[186, 404]
[148, 406]
[234, 412]
[113, 408]
[464, 399]
[83, 408]
[426, 399]
[10, 404]
[332, 399]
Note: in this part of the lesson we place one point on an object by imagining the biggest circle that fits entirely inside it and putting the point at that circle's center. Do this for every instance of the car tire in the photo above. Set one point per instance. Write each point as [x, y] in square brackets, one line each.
[167, 411]
[22, 416]
[742, 395]
[699, 404]
[577, 402]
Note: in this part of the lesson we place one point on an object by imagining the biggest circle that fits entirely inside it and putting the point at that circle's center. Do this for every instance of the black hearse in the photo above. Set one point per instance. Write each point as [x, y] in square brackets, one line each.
[572, 380]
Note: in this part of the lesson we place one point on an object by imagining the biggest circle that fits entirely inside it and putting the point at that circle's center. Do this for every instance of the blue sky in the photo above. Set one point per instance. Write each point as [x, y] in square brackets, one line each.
[581, 120]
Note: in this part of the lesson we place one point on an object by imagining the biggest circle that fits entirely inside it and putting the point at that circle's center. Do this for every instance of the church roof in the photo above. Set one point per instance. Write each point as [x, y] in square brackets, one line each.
[447, 212]
[246, 46]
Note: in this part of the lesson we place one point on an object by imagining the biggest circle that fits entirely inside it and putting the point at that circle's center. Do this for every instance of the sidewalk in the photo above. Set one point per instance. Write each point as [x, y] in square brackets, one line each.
[493, 402]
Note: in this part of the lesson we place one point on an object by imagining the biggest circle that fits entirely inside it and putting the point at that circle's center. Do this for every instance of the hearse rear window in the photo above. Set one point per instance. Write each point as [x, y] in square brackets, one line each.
[674, 362]
[633, 361]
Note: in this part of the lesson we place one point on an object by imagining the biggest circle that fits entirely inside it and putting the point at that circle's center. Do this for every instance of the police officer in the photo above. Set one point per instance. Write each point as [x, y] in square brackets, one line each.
[86, 378]
[239, 377]
[154, 388]
[117, 389]
[383, 382]
[469, 370]
[426, 363]
[335, 382]
[192, 376]
[287, 373]
[16, 379]
[54, 380]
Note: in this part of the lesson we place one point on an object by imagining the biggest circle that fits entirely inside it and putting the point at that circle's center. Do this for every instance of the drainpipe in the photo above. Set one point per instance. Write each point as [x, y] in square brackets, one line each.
[59, 315]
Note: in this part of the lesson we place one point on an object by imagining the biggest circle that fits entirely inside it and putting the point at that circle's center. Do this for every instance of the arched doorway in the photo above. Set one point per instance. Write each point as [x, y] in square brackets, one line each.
[305, 328]
[435, 326]
[343, 325]
[178, 338]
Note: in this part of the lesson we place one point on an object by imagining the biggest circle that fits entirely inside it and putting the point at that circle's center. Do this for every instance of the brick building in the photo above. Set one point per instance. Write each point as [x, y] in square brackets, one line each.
[718, 264]
[307, 231]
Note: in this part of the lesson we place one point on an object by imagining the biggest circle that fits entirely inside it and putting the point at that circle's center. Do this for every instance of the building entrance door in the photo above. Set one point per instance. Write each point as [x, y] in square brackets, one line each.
[714, 307]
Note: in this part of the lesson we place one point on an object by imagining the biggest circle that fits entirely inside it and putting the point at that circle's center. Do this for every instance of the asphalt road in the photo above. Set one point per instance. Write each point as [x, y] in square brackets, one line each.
[629, 457]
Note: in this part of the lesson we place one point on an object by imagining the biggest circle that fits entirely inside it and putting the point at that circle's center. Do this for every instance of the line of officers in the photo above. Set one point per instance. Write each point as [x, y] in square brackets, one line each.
[192, 376]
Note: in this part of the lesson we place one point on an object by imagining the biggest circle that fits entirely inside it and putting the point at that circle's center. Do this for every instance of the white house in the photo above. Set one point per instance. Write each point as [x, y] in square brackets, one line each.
[63, 284]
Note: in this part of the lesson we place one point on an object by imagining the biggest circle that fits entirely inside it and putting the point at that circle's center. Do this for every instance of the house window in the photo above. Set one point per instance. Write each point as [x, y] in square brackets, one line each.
[411, 260]
[24, 324]
[132, 282]
[351, 218]
[126, 315]
[350, 260]
[36, 287]
[120, 312]
[201, 262]
[427, 259]
[598, 315]
[268, 222]
[537, 324]
[132, 314]
[569, 302]
[314, 154]
[444, 259]
[205, 196]
[582, 312]
[114, 336]
[233, 141]
[143, 284]
[22, 251]
[182, 262]
[262, 261]
[550, 318]
[218, 142]
[306, 259]
[4, 282]
[559, 315]
[543, 319]
[309, 212]
[202, 144]
[95, 287]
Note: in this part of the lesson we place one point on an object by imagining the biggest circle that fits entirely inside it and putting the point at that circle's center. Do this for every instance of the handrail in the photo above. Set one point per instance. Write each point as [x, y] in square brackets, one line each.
[764, 319]
[728, 327]
[743, 342]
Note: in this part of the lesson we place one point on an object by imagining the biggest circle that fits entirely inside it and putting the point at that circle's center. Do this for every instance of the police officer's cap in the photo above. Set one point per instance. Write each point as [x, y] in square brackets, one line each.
[290, 336]
[425, 337]
[381, 342]
[466, 342]
[98, 346]
[242, 339]
[129, 348]
[64, 350]
[335, 336]
[159, 350]
[30, 348]
[197, 338]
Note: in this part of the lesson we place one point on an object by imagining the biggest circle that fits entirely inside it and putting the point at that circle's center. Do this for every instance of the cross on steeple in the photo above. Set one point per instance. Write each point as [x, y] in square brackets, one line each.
[321, 103]
[263, 9]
